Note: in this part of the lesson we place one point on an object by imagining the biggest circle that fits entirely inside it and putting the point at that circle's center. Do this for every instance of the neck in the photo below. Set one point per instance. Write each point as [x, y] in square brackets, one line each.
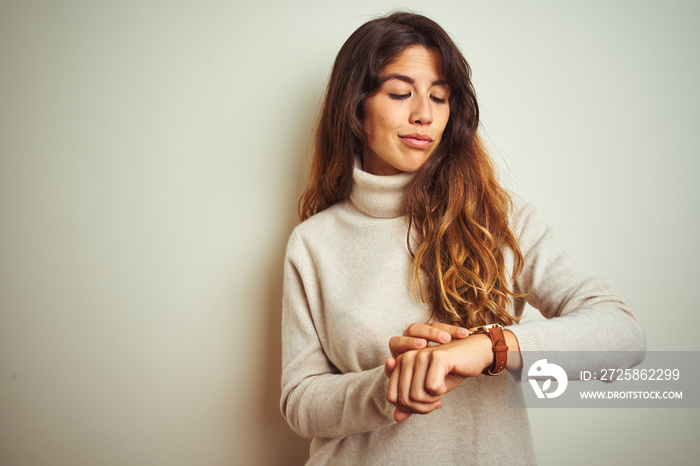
[379, 196]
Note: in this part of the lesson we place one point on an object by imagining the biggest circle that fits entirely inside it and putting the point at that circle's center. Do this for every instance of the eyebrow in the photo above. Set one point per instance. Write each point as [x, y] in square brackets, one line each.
[410, 80]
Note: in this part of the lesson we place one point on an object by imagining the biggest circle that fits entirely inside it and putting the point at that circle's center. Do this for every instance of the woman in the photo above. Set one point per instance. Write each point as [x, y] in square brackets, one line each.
[404, 223]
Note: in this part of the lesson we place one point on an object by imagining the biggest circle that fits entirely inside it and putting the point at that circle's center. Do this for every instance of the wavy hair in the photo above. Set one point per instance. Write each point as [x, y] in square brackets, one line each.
[457, 210]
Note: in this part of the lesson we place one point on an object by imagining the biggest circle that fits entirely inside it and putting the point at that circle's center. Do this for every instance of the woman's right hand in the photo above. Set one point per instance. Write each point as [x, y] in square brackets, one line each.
[418, 336]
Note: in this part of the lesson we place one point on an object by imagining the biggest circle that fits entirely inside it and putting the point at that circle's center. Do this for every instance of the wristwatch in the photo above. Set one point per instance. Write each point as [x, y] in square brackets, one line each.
[500, 349]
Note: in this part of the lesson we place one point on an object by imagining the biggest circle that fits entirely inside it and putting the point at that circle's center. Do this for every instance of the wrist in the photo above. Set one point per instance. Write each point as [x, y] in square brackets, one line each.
[499, 349]
[486, 350]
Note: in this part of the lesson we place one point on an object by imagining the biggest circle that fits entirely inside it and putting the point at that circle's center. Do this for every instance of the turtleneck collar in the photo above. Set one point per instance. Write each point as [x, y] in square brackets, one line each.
[379, 196]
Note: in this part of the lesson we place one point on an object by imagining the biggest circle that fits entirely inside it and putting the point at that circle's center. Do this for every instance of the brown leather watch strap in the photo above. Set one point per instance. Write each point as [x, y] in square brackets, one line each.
[500, 349]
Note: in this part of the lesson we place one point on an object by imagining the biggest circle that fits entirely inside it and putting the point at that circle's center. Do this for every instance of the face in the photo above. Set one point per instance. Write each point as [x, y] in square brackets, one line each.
[405, 120]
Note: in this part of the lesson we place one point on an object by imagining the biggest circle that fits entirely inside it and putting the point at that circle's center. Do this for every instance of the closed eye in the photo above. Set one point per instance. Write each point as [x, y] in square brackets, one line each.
[438, 100]
[399, 96]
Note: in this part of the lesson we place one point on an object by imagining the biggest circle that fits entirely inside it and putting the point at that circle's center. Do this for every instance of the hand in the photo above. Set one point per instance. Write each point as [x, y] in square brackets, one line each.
[421, 377]
[418, 336]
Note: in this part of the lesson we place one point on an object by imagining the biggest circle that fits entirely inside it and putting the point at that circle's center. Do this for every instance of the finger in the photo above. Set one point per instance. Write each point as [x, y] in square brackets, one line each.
[435, 376]
[403, 412]
[403, 382]
[455, 331]
[418, 392]
[406, 392]
[428, 332]
[393, 396]
[399, 345]
[389, 366]
[401, 415]
[392, 386]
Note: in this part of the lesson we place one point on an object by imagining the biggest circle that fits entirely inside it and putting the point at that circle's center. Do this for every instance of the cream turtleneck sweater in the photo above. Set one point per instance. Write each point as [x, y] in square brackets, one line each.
[347, 292]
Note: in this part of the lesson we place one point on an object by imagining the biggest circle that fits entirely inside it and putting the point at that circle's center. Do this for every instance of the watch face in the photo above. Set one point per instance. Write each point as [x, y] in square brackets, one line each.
[484, 328]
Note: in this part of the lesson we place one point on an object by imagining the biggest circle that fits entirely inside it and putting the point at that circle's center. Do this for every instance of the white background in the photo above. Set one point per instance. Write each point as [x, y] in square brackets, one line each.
[151, 157]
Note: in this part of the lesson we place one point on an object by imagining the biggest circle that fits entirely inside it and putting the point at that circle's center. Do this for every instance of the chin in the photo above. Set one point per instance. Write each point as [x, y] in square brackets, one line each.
[412, 166]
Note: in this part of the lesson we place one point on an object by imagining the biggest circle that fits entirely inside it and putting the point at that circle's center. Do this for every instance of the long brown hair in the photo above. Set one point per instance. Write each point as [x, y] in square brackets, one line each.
[457, 210]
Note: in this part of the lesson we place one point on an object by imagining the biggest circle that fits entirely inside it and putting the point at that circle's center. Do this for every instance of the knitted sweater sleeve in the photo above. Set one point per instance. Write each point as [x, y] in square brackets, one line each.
[582, 313]
[317, 400]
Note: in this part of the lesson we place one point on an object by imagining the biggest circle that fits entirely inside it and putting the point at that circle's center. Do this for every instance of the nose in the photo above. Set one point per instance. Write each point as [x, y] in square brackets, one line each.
[421, 111]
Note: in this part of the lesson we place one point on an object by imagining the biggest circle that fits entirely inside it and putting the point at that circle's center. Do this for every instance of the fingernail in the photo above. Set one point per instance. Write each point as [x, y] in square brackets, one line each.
[444, 337]
[420, 342]
[462, 332]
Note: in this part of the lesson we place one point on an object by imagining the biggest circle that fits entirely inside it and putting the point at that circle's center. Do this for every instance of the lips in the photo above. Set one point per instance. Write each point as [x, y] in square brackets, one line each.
[416, 140]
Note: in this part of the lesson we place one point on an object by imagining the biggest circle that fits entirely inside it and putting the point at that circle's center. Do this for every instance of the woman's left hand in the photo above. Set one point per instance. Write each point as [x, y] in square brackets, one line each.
[418, 336]
[421, 377]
